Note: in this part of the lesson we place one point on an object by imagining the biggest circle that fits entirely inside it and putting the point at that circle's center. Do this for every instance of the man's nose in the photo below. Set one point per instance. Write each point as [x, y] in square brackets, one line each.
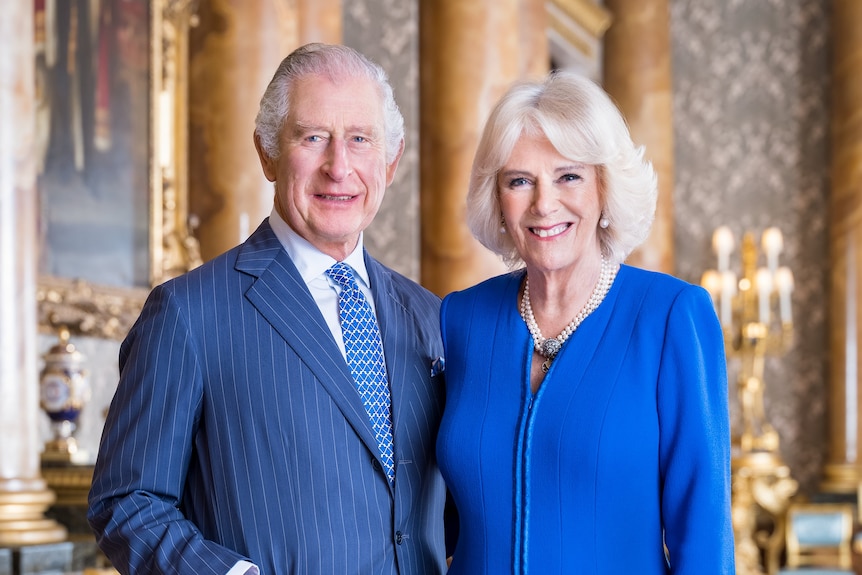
[338, 160]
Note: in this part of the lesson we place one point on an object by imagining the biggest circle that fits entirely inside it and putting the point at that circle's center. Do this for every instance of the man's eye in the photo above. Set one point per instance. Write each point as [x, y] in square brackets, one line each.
[360, 139]
[314, 138]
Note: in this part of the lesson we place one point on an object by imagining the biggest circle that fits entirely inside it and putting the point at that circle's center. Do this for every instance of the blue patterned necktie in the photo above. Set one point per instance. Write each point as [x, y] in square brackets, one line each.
[365, 358]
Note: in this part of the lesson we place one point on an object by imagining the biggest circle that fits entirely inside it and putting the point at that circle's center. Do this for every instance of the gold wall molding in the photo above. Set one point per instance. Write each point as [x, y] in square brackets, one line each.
[87, 309]
[580, 23]
[173, 250]
[593, 18]
[562, 25]
[843, 470]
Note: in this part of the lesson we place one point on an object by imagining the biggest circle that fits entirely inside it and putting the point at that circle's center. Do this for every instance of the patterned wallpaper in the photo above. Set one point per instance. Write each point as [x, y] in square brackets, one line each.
[751, 87]
[387, 31]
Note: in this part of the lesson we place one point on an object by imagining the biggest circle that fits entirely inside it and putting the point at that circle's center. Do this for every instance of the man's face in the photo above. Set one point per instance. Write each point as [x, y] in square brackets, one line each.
[331, 173]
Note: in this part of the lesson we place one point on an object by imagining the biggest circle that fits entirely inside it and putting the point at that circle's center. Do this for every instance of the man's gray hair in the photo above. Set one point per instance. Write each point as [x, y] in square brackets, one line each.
[334, 61]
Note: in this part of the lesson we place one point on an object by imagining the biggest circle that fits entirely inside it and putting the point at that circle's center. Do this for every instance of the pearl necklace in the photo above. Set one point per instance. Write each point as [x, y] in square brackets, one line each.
[549, 347]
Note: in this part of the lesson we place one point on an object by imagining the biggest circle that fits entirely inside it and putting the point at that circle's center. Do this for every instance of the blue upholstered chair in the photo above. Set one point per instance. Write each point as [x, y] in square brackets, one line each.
[819, 539]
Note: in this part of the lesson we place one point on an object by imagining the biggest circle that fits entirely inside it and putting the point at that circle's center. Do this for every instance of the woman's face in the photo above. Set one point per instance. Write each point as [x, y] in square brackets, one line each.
[551, 206]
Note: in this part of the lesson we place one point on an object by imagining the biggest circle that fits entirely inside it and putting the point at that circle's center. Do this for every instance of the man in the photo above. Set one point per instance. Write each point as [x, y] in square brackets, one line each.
[241, 437]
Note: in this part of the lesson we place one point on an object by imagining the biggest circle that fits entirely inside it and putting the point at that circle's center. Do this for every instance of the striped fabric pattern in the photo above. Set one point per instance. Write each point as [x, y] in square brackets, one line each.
[237, 432]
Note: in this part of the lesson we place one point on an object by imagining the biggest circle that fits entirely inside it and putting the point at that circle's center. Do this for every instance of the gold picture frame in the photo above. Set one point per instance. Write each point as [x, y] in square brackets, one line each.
[90, 309]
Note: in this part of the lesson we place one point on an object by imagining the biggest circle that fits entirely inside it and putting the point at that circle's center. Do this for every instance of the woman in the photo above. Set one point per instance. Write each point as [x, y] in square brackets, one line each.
[605, 449]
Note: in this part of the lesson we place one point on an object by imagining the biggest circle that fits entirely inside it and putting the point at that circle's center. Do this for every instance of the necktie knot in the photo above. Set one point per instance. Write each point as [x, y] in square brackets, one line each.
[343, 276]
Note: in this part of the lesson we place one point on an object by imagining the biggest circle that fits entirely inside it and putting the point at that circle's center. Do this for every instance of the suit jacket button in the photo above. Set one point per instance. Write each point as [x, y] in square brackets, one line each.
[399, 537]
[376, 464]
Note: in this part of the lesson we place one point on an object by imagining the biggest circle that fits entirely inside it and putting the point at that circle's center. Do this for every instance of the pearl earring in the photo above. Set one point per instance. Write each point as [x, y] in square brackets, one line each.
[604, 222]
[502, 225]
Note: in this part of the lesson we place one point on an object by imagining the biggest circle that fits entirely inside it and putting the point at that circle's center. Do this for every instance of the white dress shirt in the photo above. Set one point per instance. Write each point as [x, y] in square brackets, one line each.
[312, 265]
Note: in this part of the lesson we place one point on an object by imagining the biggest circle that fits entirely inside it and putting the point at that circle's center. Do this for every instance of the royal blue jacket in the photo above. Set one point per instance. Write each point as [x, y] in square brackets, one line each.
[625, 447]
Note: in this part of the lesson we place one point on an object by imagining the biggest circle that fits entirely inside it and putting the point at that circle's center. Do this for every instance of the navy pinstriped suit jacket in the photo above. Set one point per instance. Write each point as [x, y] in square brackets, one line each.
[237, 432]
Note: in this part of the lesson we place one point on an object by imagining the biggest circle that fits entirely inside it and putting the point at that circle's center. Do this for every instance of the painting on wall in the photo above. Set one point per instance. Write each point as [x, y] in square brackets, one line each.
[93, 131]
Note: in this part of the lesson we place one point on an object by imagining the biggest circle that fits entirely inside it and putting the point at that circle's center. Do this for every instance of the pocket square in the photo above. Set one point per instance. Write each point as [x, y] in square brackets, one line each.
[437, 366]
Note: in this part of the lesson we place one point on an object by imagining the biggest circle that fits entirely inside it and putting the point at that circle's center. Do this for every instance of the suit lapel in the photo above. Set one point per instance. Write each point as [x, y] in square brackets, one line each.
[280, 295]
[392, 318]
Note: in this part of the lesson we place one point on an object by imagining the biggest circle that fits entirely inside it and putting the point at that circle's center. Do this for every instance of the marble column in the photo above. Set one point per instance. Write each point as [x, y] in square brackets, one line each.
[234, 51]
[319, 21]
[533, 35]
[637, 74]
[24, 496]
[843, 472]
[470, 52]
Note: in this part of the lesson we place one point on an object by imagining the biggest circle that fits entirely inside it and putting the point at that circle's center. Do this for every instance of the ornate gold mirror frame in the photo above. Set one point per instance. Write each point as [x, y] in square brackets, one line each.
[108, 312]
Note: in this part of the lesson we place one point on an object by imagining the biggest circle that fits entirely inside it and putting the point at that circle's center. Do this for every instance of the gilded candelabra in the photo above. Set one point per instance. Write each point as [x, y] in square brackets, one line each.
[755, 314]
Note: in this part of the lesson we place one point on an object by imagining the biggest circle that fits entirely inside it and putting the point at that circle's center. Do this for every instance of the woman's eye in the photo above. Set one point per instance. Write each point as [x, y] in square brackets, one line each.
[570, 178]
[517, 182]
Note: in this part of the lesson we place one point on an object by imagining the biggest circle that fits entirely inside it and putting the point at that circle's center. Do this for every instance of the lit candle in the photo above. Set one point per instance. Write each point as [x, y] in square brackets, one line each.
[763, 283]
[784, 285]
[772, 243]
[722, 243]
[728, 291]
[711, 281]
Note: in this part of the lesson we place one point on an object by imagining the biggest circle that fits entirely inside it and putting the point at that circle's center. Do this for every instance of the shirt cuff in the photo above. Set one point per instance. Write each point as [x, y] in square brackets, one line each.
[244, 568]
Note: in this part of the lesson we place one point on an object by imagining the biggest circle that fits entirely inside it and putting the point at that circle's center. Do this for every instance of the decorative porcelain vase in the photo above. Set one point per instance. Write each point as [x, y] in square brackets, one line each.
[63, 392]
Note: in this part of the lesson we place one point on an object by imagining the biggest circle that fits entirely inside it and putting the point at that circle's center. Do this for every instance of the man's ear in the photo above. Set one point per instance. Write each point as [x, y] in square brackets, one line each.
[267, 163]
[393, 165]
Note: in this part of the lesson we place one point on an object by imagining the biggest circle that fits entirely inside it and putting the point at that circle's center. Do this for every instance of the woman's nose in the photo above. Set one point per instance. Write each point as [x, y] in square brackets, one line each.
[544, 199]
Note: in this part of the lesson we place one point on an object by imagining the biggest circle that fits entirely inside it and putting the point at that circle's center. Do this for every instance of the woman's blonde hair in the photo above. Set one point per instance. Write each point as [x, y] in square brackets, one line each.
[584, 125]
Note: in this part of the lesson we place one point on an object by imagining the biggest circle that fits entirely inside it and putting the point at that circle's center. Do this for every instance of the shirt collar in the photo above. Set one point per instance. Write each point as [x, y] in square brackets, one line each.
[310, 261]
